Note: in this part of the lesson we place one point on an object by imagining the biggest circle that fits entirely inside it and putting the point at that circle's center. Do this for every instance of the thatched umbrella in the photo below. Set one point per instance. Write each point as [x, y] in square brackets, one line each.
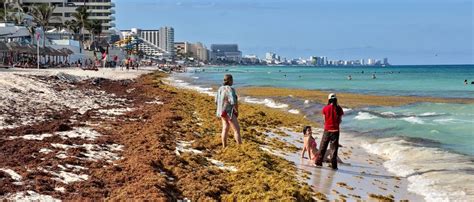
[67, 51]
[3, 47]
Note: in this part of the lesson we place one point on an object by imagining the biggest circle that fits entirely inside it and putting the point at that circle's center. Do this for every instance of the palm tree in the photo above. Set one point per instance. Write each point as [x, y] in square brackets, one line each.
[42, 14]
[81, 17]
[96, 27]
[74, 27]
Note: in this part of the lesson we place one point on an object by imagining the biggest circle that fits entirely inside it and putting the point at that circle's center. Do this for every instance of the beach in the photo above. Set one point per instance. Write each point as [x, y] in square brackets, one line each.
[416, 119]
[77, 135]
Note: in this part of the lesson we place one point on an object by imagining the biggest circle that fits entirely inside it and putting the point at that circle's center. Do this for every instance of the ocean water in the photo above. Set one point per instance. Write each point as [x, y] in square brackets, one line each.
[432, 144]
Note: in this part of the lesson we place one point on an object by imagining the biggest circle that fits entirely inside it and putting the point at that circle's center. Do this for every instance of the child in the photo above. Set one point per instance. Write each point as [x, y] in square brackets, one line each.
[310, 145]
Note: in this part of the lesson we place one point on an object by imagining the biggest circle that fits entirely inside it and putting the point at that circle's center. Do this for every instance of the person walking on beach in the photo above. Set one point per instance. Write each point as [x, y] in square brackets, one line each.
[228, 109]
[332, 114]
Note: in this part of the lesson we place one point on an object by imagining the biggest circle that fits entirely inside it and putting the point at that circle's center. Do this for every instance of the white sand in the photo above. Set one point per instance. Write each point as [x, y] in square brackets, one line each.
[21, 94]
[94, 152]
[220, 165]
[29, 196]
[108, 73]
[14, 175]
[183, 146]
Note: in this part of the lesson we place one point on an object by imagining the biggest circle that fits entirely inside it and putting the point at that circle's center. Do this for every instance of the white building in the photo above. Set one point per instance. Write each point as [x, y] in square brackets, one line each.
[166, 40]
[156, 42]
[101, 10]
[370, 61]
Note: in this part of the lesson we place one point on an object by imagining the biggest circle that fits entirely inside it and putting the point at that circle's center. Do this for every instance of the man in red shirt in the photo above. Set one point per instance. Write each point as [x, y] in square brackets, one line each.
[332, 114]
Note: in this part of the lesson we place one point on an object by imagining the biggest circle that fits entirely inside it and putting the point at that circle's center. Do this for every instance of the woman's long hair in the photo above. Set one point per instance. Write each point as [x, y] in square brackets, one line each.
[333, 101]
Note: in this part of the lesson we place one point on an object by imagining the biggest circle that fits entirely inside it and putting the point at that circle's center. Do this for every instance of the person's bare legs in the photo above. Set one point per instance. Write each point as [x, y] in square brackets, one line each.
[225, 130]
[236, 128]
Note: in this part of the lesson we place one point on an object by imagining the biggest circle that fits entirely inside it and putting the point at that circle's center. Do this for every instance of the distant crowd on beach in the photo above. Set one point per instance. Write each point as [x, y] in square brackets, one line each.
[228, 112]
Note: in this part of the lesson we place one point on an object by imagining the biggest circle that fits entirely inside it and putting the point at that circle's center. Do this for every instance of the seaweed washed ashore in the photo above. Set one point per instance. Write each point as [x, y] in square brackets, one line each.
[154, 141]
[157, 142]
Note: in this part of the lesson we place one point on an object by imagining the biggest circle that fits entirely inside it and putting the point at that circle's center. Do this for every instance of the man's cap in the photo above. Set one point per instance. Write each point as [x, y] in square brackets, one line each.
[332, 96]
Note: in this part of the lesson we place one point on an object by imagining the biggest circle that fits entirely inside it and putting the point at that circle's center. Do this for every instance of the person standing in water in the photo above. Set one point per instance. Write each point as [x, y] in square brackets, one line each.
[228, 109]
[332, 115]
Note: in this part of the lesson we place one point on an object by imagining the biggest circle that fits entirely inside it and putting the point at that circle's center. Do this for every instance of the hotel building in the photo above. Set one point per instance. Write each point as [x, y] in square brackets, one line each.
[101, 10]
[195, 50]
[225, 52]
[166, 41]
[155, 41]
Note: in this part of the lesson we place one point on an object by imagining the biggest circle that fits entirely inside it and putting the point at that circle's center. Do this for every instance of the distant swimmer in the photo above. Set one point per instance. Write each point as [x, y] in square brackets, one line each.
[362, 71]
[465, 82]
[373, 76]
[285, 75]
[349, 77]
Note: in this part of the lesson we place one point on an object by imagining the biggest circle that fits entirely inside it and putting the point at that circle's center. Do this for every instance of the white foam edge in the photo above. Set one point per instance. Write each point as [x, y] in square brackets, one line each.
[431, 172]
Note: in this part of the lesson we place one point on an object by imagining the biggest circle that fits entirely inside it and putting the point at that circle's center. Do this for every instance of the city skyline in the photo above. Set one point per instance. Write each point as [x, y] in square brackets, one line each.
[422, 32]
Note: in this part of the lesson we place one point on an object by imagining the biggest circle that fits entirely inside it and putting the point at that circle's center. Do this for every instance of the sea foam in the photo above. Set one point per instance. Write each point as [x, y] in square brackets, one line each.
[364, 116]
[436, 174]
[266, 101]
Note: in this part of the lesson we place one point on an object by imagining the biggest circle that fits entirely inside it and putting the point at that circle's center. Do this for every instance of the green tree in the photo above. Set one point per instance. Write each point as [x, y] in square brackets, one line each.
[42, 14]
[81, 17]
[95, 27]
[74, 27]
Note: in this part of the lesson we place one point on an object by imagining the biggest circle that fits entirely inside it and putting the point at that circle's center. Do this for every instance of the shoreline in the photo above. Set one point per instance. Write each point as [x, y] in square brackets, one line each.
[371, 167]
[421, 179]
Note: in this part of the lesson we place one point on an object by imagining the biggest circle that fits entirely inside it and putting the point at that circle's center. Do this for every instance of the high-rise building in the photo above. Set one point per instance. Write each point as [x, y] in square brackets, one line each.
[195, 50]
[385, 61]
[149, 37]
[200, 51]
[225, 52]
[269, 56]
[166, 41]
[182, 49]
[101, 10]
[370, 61]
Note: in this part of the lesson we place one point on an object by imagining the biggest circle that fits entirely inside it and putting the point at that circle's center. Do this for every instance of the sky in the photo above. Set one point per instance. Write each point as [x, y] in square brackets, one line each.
[404, 31]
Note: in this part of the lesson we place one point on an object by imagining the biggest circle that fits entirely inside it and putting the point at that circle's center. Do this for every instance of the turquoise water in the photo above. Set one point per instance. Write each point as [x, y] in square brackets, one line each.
[435, 81]
[448, 126]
